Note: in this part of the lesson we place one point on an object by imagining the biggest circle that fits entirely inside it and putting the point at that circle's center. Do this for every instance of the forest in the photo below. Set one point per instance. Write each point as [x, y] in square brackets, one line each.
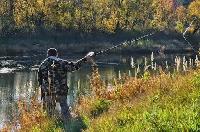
[88, 16]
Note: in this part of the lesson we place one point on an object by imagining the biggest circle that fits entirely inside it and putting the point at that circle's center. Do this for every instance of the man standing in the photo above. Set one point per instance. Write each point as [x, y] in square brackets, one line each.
[52, 78]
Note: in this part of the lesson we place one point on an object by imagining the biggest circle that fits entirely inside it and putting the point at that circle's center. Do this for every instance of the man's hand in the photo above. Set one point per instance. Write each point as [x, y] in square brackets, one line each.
[90, 56]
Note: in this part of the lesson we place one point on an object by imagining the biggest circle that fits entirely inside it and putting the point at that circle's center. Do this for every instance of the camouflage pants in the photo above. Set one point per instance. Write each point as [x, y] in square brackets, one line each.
[49, 104]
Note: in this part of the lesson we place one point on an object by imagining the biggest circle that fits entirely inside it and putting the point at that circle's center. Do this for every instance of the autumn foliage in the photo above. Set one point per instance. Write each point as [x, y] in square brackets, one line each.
[93, 15]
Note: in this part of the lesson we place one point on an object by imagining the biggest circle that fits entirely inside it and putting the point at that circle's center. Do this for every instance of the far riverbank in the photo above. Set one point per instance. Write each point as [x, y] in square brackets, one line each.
[81, 43]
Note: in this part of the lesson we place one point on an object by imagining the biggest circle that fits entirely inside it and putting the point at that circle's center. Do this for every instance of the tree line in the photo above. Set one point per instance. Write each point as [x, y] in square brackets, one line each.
[109, 16]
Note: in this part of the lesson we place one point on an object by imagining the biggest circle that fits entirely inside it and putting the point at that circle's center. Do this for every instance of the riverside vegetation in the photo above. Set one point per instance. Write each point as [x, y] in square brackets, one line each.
[156, 100]
[22, 16]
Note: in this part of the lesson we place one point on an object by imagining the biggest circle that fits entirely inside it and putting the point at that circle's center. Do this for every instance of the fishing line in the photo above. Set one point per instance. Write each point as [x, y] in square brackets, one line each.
[185, 35]
[189, 43]
[126, 43]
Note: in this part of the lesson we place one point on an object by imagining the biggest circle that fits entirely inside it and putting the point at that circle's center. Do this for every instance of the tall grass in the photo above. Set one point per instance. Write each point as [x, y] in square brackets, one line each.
[161, 102]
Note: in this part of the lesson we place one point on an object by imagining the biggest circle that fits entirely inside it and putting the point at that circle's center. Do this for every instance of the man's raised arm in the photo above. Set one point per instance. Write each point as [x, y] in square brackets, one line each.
[73, 66]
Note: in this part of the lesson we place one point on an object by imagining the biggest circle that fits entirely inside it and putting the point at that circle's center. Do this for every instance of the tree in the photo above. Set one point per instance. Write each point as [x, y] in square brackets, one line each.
[194, 8]
[163, 15]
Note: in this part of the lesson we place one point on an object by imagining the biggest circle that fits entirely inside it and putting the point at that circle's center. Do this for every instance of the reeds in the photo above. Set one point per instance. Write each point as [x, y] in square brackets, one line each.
[181, 64]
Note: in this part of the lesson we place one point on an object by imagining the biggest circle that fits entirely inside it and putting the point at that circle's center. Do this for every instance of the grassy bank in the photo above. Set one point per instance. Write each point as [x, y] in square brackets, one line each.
[163, 102]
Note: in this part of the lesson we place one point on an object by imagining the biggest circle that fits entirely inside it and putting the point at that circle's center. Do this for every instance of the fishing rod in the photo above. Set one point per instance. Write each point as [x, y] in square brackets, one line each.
[126, 43]
[121, 44]
[185, 36]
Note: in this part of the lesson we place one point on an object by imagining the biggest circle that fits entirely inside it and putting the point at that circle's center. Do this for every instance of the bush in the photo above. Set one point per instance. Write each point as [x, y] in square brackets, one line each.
[100, 106]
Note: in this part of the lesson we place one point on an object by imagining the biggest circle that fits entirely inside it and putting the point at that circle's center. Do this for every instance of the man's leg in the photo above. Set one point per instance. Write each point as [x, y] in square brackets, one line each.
[49, 105]
[65, 113]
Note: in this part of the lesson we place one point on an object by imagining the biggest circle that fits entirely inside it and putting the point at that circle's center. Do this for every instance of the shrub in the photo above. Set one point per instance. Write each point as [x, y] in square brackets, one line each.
[99, 107]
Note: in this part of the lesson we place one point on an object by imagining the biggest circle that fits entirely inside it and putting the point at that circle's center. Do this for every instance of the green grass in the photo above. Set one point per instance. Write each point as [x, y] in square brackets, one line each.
[169, 102]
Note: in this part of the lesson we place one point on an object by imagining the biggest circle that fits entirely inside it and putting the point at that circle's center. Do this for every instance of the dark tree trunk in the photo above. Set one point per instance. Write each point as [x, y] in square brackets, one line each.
[11, 16]
[11, 10]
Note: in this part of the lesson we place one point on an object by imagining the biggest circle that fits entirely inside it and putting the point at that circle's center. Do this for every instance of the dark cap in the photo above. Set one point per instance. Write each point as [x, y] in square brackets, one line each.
[52, 52]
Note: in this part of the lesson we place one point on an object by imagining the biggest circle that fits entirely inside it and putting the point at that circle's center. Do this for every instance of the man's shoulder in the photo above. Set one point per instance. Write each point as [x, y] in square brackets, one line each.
[48, 61]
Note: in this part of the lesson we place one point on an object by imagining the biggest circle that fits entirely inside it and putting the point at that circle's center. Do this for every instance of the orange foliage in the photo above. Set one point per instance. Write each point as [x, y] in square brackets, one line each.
[194, 8]
[31, 117]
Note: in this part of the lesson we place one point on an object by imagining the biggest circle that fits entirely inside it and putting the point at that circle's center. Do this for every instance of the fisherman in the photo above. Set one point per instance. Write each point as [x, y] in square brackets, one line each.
[52, 78]
[189, 34]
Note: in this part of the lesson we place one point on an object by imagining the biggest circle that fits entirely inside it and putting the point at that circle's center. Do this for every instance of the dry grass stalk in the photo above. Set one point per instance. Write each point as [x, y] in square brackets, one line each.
[96, 83]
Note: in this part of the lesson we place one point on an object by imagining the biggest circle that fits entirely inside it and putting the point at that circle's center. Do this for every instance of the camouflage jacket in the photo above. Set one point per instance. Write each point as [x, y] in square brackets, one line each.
[52, 75]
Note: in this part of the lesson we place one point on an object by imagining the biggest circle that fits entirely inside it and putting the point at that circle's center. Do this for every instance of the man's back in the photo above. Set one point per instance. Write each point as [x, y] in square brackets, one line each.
[53, 76]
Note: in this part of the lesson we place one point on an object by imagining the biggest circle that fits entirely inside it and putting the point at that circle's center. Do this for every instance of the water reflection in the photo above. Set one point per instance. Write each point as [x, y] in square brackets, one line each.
[12, 87]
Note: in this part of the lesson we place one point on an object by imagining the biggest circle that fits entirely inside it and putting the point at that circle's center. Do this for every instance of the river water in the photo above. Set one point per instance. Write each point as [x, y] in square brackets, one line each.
[19, 79]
